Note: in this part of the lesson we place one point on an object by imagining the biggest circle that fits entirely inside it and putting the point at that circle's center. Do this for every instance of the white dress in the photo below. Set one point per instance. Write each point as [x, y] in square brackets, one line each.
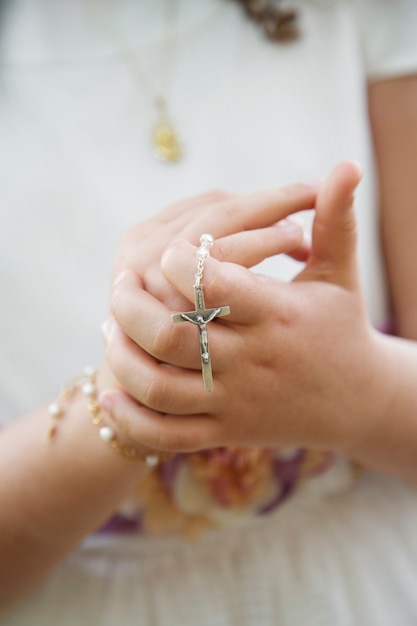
[76, 170]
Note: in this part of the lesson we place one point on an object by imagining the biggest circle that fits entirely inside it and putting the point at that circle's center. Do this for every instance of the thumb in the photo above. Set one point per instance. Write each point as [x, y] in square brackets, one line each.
[333, 254]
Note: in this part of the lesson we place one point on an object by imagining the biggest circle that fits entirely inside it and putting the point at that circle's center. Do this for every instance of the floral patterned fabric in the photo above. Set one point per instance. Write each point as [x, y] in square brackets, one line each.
[217, 488]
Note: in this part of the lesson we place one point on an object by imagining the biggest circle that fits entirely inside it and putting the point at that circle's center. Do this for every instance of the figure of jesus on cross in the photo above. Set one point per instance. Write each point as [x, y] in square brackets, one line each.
[201, 317]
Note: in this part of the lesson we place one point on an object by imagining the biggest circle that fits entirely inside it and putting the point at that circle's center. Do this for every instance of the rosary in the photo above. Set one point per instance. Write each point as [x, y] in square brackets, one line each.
[202, 316]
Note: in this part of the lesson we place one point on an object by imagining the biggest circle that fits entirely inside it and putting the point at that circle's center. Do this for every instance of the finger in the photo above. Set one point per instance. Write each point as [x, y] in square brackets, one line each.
[303, 251]
[334, 234]
[148, 322]
[160, 229]
[189, 205]
[158, 386]
[168, 433]
[248, 248]
[256, 210]
[227, 214]
[225, 284]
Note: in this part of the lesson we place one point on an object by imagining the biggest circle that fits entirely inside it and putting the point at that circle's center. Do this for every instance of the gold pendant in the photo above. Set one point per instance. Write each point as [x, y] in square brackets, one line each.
[166, 142]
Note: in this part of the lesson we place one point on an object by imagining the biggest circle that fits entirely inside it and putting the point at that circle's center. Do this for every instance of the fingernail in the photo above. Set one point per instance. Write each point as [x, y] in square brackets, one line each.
[106, 403]
[107, 328]
[119, 278]
[359, 167]
[290, 226]
[298, 219]
[307, 239]
[316, 183]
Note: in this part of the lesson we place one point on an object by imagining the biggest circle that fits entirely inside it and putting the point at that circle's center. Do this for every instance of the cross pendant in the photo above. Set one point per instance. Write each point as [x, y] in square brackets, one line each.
[201, 317]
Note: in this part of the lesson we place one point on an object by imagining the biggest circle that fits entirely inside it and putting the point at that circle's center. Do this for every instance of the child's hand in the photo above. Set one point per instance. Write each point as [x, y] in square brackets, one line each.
[293, 364]
[221, 214]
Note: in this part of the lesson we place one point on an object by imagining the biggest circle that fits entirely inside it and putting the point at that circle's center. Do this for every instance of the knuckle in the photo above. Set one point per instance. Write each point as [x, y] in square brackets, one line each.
[156, 392]
[211, 198]
[349, 226]
[215, 196]
[117, 302]
[166, 439]
[194, 440]
[222, 249]
[222, 283]
[293, 238]
[296, 189]
[112, 349]
[125, 426]
[173, 440]
[116, 357]
[345, 226]
[170, 255]
[165, 341]
[123, 294]
[228, 208]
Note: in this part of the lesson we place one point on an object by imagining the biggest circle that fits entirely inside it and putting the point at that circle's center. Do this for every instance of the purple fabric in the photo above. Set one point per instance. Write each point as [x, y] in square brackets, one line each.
[120, 525]
[285, 473]
[388, 327]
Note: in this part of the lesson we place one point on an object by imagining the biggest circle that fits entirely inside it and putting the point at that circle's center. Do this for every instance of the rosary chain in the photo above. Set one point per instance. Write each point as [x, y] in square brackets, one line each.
[203, 252]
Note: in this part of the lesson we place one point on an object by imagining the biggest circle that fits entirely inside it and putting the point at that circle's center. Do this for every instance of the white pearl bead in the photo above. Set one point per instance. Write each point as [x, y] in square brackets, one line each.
[106, 433]
[89, 371]
[203, 253]
[206, 239]
[54, 409]
[88, 389]
[151, 460]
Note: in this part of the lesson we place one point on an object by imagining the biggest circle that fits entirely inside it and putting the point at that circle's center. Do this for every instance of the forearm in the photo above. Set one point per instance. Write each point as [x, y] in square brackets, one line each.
[54, 495]
[391, 444]
[393, 114]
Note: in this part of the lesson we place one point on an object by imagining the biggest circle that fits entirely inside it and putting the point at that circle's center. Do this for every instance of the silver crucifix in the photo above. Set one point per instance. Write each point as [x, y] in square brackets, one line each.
[201, 317]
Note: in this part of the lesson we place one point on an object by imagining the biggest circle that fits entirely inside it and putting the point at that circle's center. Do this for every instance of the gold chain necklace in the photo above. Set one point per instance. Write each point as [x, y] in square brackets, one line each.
[279, 25]
[165, 138]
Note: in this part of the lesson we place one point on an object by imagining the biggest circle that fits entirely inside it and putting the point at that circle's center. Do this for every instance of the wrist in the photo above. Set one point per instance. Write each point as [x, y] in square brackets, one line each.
[89, 387]
[385, 434]
[370, 399]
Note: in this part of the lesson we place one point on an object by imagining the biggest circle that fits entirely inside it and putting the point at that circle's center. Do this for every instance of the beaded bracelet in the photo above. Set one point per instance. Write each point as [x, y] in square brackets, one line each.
[86, 382]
